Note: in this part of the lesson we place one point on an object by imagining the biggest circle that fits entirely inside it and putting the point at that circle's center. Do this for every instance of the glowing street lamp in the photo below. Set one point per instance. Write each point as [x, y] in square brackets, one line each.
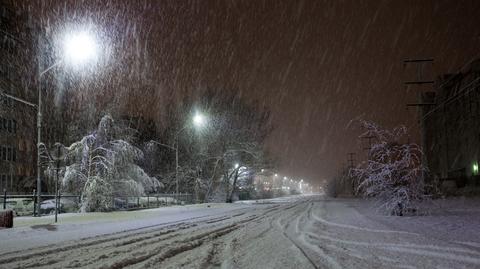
[199, 120]
[78, 48]
[475, 168]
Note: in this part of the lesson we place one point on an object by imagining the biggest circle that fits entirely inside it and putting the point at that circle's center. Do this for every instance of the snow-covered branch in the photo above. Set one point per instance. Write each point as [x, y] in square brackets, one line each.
[393, 173]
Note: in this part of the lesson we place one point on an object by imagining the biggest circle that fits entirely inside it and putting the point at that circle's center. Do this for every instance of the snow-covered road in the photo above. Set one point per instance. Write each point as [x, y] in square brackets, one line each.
[306, 232]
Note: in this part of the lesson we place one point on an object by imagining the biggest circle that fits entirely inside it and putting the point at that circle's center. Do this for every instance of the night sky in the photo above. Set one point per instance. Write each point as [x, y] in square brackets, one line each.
[316, 64]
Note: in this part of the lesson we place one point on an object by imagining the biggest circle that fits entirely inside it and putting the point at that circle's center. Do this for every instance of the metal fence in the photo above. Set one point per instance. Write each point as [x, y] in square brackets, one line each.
[25, 204]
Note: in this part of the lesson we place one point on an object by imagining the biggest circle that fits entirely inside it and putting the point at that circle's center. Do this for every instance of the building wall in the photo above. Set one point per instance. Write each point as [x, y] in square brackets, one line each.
[17, 120]
[452, 126]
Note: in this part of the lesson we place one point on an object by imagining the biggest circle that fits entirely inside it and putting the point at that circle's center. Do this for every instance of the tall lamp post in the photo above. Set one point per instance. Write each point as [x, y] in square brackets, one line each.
[198, 121]
[78, 48]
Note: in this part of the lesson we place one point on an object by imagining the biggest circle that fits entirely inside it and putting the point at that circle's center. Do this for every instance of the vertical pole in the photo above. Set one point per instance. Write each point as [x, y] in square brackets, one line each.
[176, 164]
[34, 203]
[56, 184]
[39, 130]
[423, 141]
[227, 183]
[195, 191]
[56, 203]
[4, 198]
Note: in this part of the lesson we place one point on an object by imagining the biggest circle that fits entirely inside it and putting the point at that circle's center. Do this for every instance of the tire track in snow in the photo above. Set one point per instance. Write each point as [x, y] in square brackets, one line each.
[177, 244]
[162, 252]
[268, 212]
[315, 248]
[83, 243]
[101, 238]
[422, 250]
[58, 254]
[346, 226]
[45, 257]
[452, 254]
[285, 232]
[73, 246]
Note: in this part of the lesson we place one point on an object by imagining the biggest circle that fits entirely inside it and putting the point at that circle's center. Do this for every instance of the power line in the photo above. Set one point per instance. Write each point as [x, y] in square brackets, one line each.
[459, 94]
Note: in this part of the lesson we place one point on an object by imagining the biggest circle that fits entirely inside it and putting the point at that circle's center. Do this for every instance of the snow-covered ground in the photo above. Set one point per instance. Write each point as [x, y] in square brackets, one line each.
[294, 232]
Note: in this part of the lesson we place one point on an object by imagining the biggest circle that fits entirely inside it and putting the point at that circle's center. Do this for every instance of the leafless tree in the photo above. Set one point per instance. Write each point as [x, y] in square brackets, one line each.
[393, 172]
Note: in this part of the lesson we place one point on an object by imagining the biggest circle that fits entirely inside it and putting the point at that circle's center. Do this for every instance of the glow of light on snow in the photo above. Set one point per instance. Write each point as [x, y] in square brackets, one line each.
[80, 47]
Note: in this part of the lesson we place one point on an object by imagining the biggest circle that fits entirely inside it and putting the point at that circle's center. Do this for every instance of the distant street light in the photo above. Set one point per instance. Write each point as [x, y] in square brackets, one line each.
[199, 120]
[475, 169]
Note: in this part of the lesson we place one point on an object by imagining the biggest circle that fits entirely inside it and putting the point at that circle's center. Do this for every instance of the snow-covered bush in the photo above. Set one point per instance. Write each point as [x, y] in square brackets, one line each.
[393, 173]
[103, 166]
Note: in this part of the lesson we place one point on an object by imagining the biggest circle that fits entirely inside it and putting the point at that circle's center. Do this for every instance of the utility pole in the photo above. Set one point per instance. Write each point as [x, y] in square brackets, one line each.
[420, 68]
[351, 165]
[176, 164]
[39, 139]
[421, 80]
[351, 159]
[369, 142]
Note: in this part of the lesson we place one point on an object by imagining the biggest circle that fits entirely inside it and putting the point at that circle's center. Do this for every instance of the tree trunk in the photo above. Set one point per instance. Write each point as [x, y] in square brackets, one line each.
[227, 181]
[230, 199]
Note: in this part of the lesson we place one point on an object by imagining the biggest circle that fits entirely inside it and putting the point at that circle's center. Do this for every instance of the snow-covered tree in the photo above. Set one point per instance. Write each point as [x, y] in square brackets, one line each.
[103, 166]
[393, 173]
